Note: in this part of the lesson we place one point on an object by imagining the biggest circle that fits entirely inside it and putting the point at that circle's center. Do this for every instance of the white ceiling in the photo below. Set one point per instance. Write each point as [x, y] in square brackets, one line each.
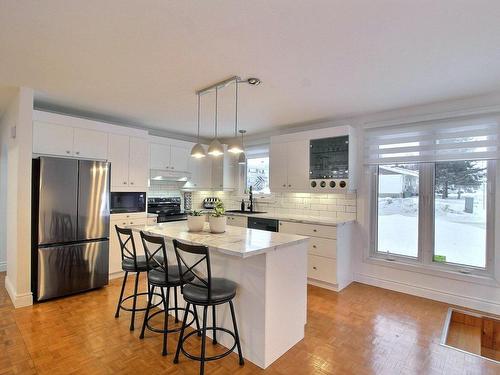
[142, 61]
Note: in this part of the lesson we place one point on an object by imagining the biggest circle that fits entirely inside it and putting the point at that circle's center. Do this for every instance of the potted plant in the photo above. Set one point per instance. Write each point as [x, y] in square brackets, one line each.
[195, 221]
[217, 219]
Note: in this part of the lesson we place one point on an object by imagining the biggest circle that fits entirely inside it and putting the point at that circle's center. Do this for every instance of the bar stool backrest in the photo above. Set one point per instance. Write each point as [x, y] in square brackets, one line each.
[199, 256]
[156, 253]
[127, 244]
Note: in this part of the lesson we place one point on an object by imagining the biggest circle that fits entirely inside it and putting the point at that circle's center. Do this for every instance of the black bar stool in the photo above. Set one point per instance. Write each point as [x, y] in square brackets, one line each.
[162, 275]
[131, 262]
[206, 292]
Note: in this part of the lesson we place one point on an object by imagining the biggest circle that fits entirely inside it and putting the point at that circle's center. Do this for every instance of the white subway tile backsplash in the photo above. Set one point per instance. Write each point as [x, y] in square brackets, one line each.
[323, 205]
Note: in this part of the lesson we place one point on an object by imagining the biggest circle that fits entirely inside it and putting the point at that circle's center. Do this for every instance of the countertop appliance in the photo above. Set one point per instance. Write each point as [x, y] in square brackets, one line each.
[70, 226]
[329, 162]
[209, 203]
[123, 202]
[271, 225]
[168, 209]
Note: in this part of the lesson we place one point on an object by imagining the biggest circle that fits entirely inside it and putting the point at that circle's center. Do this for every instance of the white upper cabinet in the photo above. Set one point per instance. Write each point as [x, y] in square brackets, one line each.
[278, 165]
[298, 165]
[179, 158]
[129, 157]
[201, 174]
[169, 156]
[159, 156]
[224, 171]
[52, 139]
[62, 140]
[139, 162]
[91, 144]
[118, 154]
[289, 156]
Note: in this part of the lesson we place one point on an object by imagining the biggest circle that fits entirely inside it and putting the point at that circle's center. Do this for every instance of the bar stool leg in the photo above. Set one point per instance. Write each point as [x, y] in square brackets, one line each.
[214, 332]
[165, 321]
[203, 340]
[132, 320]
[195, 312]
[117, 314]
[237, 336]
[181, 335]
[176, 305]
[151, 289]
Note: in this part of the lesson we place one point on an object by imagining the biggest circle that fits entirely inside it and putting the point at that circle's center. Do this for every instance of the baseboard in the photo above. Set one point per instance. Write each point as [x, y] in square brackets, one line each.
[323, 284]
[116, 275]
[18, 300]
[434, 294]
[3, 266]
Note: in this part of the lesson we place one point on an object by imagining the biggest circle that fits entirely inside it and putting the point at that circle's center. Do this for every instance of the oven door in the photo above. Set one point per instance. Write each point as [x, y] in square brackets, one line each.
[125, 202]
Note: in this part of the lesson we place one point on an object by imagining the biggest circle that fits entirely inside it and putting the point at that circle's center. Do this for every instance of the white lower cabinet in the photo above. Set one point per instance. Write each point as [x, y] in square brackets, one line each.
[237, 221]
[329, 256]
[121, 220]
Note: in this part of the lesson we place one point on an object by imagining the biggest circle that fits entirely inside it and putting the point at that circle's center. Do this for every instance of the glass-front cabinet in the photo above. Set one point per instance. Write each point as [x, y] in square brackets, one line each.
[329, 158]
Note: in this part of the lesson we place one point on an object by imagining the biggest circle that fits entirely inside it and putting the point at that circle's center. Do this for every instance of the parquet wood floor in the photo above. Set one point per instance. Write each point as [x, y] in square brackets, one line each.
[361, 330]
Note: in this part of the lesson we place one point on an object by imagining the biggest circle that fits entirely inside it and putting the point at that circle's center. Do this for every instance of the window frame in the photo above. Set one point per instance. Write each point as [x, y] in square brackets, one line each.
[426, 234]
[245, 174]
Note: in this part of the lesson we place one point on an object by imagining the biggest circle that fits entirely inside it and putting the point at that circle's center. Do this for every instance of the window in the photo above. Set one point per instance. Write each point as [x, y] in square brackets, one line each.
[460, 208]
[435, 213]
[257, 175]
[397, 209]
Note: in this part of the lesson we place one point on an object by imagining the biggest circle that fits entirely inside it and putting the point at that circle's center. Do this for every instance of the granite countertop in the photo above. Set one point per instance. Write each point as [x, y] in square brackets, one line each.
[236, 241]
[306, 219]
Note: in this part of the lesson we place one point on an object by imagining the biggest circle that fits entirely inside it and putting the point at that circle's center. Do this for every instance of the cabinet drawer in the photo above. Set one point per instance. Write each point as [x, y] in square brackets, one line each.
[310, 230]
[324, 247]
[152, 220]
[322, 269]
[237, 221]
[129, 221]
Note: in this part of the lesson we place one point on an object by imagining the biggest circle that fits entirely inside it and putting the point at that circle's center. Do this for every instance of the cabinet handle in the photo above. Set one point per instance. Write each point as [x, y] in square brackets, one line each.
[131, 222]
[173, 168]
[284, 185]
[131, 183]
[124, 182]
[128, 216]
[289, 185]
[314, 268]
[68, 152]
[78, 152]
[124, 223]
[314, 230]
[314, 246]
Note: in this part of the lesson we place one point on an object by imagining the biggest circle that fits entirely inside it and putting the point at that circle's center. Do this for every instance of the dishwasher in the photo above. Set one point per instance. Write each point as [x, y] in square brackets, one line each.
[271, 225]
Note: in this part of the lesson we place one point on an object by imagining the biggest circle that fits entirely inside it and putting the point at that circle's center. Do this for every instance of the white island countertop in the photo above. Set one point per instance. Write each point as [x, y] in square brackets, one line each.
[237, 241]
[304, 219]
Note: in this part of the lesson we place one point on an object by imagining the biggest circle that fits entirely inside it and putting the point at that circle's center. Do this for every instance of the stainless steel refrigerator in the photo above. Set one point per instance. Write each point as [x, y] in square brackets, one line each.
[70, 226]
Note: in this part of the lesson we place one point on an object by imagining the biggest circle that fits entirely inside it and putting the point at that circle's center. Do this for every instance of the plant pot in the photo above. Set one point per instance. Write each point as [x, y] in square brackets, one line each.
[217, 224]
[196, 223]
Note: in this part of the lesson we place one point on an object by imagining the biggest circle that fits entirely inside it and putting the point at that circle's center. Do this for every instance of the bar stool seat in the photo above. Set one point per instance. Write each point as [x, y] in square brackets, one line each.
[171, 278]
[222, 291]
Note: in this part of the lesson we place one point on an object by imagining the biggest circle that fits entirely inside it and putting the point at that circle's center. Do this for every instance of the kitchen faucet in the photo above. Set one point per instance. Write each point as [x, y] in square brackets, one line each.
[250, 205]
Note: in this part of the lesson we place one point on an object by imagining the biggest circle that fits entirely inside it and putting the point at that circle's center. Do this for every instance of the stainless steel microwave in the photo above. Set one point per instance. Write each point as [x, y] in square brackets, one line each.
[125, 202]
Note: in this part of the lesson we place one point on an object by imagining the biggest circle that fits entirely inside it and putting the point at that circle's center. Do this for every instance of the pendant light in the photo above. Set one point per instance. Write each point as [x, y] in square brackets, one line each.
[242, 158]
[235, 146]
[198, 151]
[215, 148]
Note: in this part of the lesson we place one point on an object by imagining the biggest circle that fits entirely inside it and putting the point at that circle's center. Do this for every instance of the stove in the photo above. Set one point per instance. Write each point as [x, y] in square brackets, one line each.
[168, 209]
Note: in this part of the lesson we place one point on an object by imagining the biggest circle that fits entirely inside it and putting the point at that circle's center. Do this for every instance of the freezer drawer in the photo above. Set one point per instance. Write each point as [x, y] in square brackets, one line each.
[68, 269]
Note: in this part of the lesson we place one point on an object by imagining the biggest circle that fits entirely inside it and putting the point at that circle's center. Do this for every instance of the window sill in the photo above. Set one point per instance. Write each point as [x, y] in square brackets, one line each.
[436, 271]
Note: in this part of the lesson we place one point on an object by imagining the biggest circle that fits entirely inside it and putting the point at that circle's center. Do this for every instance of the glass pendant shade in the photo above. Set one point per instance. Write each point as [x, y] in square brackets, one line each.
[198, 151]
[235, 146]
[242, 159]
[215, 148]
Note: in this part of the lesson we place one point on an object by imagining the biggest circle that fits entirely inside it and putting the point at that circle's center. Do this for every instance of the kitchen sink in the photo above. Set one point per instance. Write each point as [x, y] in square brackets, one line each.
[244, 212]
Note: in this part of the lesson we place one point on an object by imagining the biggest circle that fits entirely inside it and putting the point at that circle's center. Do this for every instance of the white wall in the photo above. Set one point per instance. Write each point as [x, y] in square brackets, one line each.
[16, 195]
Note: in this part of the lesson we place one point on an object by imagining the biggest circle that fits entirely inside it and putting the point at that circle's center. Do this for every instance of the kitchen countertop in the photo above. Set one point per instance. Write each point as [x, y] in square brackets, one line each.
[152, 215]
[306, 219]
[236, 241]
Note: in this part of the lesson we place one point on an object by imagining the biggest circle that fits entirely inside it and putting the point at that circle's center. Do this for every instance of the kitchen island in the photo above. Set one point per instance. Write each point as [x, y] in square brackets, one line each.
[271, 272]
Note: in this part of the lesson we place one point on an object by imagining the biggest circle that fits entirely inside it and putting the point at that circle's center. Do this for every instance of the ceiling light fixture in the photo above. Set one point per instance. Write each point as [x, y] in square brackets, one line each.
[215, 148]
[235, 146]
[253, 81]
[198, 151]
[242, 158]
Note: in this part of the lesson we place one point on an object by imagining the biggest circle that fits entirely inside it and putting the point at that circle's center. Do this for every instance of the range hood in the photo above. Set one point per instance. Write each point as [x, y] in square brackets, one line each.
[169, 175]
